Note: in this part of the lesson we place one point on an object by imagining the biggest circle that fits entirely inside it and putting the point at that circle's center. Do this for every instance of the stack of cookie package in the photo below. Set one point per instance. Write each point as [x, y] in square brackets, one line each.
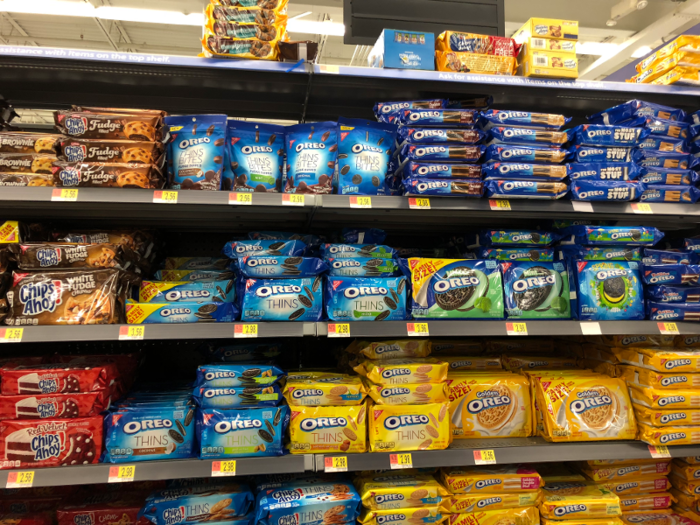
[548, 48]
[477, 54]
[676, 62]
[685, 473]
[27, 159]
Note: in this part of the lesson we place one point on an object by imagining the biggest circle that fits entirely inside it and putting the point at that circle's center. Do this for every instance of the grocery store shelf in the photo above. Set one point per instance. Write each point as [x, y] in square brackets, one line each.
[512, 450]
[155, 470]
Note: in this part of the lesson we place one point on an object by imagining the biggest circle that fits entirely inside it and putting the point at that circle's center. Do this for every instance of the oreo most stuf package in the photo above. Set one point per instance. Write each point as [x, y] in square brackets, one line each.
[255, 154]
[456, 289]
[366, 298]
[312, 152]
[609, 291]
[536, 290]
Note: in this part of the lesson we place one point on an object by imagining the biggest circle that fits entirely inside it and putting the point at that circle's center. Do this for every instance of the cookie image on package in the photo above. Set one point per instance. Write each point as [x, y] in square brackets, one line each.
[601, 416]
[496, 417]
[456, 298]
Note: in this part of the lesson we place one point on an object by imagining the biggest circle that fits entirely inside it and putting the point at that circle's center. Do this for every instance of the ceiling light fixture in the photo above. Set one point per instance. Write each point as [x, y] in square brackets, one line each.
[316, 28]
[595, 48]
[641, 4]
[641, 52]
[611, 22]
[301, 15]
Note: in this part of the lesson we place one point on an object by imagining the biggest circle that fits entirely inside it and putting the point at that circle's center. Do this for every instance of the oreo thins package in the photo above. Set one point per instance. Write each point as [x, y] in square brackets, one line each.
[282, 299]
[344, 251]
[362, 267]
[230, 375]
[242, 433]
[174, 291]
[672, 294]
[609, 291]
[235, 249]
[536, 290]
[312, 152]
[255, 155]
[366, 298]
[456, 289]
[238, 397]
[605, 190]
[181, 312]
[280, 267]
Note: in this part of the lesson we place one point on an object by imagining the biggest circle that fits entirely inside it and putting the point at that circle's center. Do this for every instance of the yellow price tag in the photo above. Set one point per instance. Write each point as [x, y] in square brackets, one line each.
[223, 468]
[245, 331]
[240, 198]
[484, 457]
[397, 461]
[499, 204]
[11, 335]
[131, 333]
[668, 328]
[292, 199]
[641, 207]
[335, 464]
[64, 195]
[360, 202]
[660, 451]
[20, 480]
[122, 474]
[338, 330]
[416, 203]
[516, 328]
[417, 329]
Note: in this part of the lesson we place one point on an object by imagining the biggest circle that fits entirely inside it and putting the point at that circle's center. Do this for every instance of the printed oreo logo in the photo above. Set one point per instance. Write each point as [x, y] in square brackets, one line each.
[346, 263]
[487, 399]
[306, 392]
[75, 125]
[427, 133]
[674, 416]
[433, 168]
[489, 501]
[309, 145]
[388, 518]
[517, 132]
[569, 509]
[354, 292]
[383, 349]
[252, 262]
[586, 194]
[40, 297]
[507, 168]
[522, 285]
[187, 143]
[627, 470]
[675, 436]
[670, 400]
[515, 184]
[84, 519]
[675, 363]
[392, 372]
[420, 115]
[248, 150]
[359, 148]
[385, 498]
[485, 483]
[169, 312]
[394, 422]
[222, 427]
[396, 391]
[598, 133]
[505, 115]
[132, 427]
[48, 257]
[604, 275]
[588, 400]
[267, 291]
[242, 248]
[393, 108]
[311, 424]
[626, 486]
[432, 150]
[590, 152]
[443, 285]
[508, 153]
[179, 295]
[431, 185]
[214, 392]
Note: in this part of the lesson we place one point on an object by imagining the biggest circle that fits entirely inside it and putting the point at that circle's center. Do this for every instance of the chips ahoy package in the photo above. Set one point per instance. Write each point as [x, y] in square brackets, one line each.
[255, 154]
[312, 152]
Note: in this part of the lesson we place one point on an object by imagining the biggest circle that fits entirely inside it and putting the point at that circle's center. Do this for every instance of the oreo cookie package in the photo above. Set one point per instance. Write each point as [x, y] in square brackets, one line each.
[536, 290]
[663, 143]
[526, 189]
[232, 375]
[599, 253]
[593, 154]
[312, 152]
[180, 312]
[255, 155]
[519, 171]
[673, 311]
[682, 194]
[522, 119]
[527, 137]
[601, 135]
[389, 111]
[588, 235]
[366, 299]
[517, 254]
[344, 251]
[636, 108]
[281, 299]
[279, 267]
[445, 118]
[609, 291]
[456, 289]
[436, 170]
[238, 397]
[613, 171]
[528, 154]
[499, 238]
[669, 177]
[605, 190]
[362, 267]
[235, 249]
[195, 263]
[668, 257]
[193, 275]
[664, 159]
[457, 188]
[246, 432]
[672, 294]
[687, 274]
[187, 291]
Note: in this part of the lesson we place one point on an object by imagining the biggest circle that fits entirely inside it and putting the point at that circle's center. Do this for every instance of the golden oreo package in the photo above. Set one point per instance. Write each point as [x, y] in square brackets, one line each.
[663, 418]
[664, 360]
[692, 460]
[665, 399]
[535, 363]
[576, 500]
[619, 462]
[410, 516]
[661, 467]
[461, 503]
[395, 428]
[585, 407]
[491, 480]
[420, 490]
[392, 349]
[403, 371]
[685, 470]
[517, 516]
[464, 362]
[687, 501]
[489, 405]
[601, 367]
[328, 429]
[654, 517]
[635, 375]
[643, 502]
[410, 394]
[323, 388]
[603, 521]
[642, 485]
[684, 485]
[669, 435]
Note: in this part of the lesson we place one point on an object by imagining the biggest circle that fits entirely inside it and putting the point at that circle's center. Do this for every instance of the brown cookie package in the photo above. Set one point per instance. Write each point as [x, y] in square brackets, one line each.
[42, 256]
[26, 159]
[106, 175]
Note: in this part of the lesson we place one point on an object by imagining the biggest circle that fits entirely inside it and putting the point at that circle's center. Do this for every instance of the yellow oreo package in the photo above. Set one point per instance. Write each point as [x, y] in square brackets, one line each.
[410, 394]
[421, 490]
[691, 460]
[687, 501]
[585, 407]
[635, 375]
[410, 516]
[601, 367]
[409, 427]
[535, 363]
[685, 485]
[688, 43]
[463, 363]
[642, 485]
[669, 435]
[665, 360]
[584, 521]
[662, 467]
[620, 462]
[653, 517]
[578, 500]
[665, 399]
[517, 516]
[461, 503]
[391, 349]
[491, 480]
[340, 429]
[663, 418]
[643, 502]
[403, 371]
[489, 405]
[686, 471]
[328, 389]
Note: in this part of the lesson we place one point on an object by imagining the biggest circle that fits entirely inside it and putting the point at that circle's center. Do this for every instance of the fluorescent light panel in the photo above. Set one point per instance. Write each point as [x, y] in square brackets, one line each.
[641, 52]
[595, 48]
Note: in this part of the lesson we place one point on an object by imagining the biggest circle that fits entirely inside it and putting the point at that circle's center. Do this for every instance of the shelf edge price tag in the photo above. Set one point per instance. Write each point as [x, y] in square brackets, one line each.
[360, 202]
[590, 329]
[122, 474]
[416, 203]
[64, 195]
[240, 198]
[417, 329]
[292, 199]
[338, 330]
[335, 70]
[582, 206]
[132, 333]
[668, 328]
[516, 328]
[660, 451]
[335, 464]
[400, 461]
[484, 457]
[11, 335]
[20, 480]
[641, 207]
[245, 331]
[164, 197]
[223, 468]
[500, 205]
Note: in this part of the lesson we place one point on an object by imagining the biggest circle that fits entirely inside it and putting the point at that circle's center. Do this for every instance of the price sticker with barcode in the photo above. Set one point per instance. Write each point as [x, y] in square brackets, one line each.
[400, 461]
[417, 329]
[484, 457]
[292, 199]
[245, 331]
[164, 197]
[122, 474]
[132, 333]
[416, 203]
[11, 335]
[223, 468]
[338, 330]
[516, 328]
[240, 198]
[64, 195]
[335, 464]
[499, 205]
[360, 202]
[659, 451]
[668, 328]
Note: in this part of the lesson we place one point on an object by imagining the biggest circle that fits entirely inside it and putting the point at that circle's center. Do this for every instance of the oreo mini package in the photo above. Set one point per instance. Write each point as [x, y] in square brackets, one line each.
[593, 154]
[178, 291]
[609, 291]
[456, 289]
[388, 112]
[238, 397]
[362, 267]
[511, 170]
[682, 194]
[672, 294]
[366, 299]
[613, 171]
[280, 267]
[457, 188]
[364, 150]
[611, 235]
[245, 432]
[516, 254]
[687, 274]
[527, 137]
[529, 154]
[281, 299]
[536, 290]
[526, 189]
[499, 238]
[605, 190]
[669, 177]
[180, 312]
[312, 152]
[231, 375]
[255, 155]
[601, 135]
[446, 118]
[196, 151]
[522, 119]
[434, 170]
[236, 249]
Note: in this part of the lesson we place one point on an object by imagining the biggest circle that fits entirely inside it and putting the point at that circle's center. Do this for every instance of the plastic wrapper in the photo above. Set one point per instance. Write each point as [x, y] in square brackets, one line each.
[478, 44]
[223, 47]
[457, 188]
[669, 128]
[521, 189]
[19, 142]
[669, 177]
[508, 170]
[517, 254]
[388, 111]
[688, 43]
[673, 311]
[522, 119]
[663, 159]
[527, 137]
[444, 118]
[677, 60]
[600, 253]
[25, 180]
[672, 294]
[682, 194]
[600, 154]
[536, 290]
[30, 163]
[120, 151]
[475, 63]
[610, 290]
[669, 257]
[436, 170]
[611, 235]
[529, 154]
[254, 157]
[600, 135]
[680, 75]
[410, 135]
[635, 108]
[604, 171]
[106, 175]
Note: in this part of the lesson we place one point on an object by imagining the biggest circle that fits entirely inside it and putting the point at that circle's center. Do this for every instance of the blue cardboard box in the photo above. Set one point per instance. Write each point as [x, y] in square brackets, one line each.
[403, 50]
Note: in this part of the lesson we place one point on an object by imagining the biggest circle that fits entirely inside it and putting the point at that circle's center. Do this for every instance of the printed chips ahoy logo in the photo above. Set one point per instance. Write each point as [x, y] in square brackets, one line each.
[394, 422]
[40, 297]
[174, 515]
[48, 386]
[311, 424]
[75, 125]
[589, 399]
[487, 399]
[285, 496]
[69, 176]
[222, 427]
[569, 509]
[45, 446]
[75, 152]
[48, 257]
[45, 410]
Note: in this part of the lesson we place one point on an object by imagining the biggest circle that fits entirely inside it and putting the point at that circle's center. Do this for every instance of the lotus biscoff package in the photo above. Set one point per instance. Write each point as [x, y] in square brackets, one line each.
[328, 429]
[394, 428]
[492, 480]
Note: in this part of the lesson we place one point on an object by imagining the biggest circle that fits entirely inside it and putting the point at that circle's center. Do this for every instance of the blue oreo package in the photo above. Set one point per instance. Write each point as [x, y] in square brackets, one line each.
[691, 244]
[536, 290]
[528, 154]
[279, 267]
[408, 135]
[442, 153]
[517, 254]
[669, 177]
[389, 111]
[238, 397]
[236, 249]
[652, 256]
[232, 375]
[636, 108]
[312, 152]
[522, 119]
[603, 190]
[599, 253]
[517, 238]
[600, 135]
[435, 170]
[196, 150]
[179, 291]
[446, 118]
[687, 274]
[670, 128]
[615, 171]
[362, 235]
[609, 290]
[193, 275]
[663, 159]
[142, 434]
[364, 150]
[694, 118]
[512, 170]
[255, 154]
[245, 432]
[362, 267]
[682, 194]
[180, 312]
[281, 299]
[589, 235]
[454, 187]
[344, 251]
[673, 311]
[528, 137]
[366, 298]
[600, 154]
[663, 143]
[526, 189]
[672, 294]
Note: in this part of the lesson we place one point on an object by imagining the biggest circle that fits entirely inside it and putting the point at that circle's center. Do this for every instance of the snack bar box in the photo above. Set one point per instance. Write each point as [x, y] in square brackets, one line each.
[547, 64]
[396, 49]
[550, 28]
